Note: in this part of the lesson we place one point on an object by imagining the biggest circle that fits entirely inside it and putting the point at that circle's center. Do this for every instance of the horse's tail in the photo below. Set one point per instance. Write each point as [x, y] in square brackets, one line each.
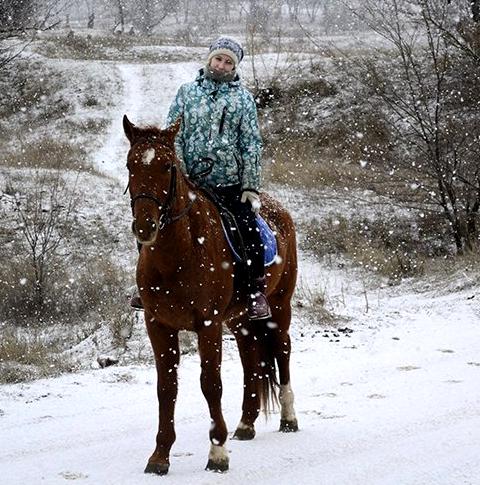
[267, 374]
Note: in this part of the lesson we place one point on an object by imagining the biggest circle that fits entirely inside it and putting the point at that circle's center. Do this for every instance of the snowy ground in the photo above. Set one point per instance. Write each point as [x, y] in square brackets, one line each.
[395, 401]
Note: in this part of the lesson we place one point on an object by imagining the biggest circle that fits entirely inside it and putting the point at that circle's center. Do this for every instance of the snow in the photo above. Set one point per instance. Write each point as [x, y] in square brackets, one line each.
[147, 92]
[393, 400]
[396, 402]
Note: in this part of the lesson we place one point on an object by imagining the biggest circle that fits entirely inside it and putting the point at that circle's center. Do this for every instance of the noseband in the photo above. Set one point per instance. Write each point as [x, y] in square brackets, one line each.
[165, 207]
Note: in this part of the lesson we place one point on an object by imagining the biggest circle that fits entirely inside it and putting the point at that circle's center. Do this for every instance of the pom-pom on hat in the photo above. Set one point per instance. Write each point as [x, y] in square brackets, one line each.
[228, 46]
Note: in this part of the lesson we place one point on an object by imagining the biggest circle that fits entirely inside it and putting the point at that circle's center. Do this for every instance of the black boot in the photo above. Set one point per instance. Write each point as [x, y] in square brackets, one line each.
[258, 307]
[136, 302]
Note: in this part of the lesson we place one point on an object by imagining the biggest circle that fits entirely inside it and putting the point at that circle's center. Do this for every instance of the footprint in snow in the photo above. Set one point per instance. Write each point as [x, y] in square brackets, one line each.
[453, 381]
[376, 396]
[476, 364]
[324, 416]
[329, 394]
[407, 368]
[182, 453]
[446, 351]
[73, 475]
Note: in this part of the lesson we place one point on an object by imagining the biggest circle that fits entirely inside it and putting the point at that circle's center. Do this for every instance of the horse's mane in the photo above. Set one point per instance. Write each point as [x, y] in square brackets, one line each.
[150, 132]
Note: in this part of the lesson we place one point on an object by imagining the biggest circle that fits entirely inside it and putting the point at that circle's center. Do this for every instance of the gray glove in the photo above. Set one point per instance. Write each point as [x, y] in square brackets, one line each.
[253, 198]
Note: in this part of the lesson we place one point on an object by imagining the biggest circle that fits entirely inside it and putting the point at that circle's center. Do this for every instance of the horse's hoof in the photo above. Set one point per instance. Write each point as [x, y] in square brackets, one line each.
[244, 434]
[288, 426]
[157, 468]
[217, 466]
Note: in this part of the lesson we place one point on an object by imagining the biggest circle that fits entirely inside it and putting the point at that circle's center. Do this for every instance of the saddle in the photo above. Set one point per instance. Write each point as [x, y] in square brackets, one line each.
[234, 238]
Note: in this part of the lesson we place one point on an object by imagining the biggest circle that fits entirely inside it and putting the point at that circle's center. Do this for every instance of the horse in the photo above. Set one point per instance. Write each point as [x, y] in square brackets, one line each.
[185, 277]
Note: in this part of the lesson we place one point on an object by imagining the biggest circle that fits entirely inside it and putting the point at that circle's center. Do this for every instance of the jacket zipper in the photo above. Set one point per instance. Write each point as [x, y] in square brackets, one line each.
[222, 120]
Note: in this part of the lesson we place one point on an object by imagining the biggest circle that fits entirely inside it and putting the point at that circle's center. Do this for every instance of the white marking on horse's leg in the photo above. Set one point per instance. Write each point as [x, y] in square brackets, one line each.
[242, 425]
[286, 398]
[148, 156]
[218, 454]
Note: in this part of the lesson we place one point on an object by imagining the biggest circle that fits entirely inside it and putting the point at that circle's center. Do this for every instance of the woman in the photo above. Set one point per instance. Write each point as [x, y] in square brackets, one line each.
[219, 146]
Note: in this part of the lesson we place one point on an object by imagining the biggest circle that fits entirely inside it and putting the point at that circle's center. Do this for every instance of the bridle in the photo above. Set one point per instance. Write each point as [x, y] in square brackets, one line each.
[165, 207]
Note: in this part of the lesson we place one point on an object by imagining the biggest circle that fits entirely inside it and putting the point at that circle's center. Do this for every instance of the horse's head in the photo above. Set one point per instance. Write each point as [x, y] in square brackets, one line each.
[152, 168]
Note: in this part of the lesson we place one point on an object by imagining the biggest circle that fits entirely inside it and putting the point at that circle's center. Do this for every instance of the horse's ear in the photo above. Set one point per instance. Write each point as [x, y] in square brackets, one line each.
[129, 129]
[172, 130]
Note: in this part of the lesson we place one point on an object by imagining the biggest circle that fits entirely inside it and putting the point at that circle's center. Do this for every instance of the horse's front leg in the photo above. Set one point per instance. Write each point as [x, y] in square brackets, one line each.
[165, 347]
[210, 349]
[247, 346]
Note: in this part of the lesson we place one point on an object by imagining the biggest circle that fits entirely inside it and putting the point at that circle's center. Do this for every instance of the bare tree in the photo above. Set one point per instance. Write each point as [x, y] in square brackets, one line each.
[312, 7]
[428, 91]
[21, 20]
[150, 13]
[464, 32]
[44, 214]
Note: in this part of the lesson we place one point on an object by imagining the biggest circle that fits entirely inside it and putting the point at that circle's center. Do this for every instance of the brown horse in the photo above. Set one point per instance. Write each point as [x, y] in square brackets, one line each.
[185, 278]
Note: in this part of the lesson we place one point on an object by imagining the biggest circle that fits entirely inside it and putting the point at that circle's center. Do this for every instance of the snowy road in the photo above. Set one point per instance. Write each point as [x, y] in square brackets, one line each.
[399, 404]
[395, 402]
[148, 90]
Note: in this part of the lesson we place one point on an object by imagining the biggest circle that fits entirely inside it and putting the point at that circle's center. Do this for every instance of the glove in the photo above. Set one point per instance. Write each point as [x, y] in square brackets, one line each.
[253, 198]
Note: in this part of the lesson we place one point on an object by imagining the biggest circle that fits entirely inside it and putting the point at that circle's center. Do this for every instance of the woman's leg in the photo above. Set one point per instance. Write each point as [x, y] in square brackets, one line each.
[258, 307]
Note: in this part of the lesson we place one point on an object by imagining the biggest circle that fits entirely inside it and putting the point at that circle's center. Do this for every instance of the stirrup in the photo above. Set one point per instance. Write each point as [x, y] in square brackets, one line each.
[258, 307]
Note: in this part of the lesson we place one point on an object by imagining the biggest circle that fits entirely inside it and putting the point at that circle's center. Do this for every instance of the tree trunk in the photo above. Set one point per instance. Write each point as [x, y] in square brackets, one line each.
[471, 236]
[121, 15]
[475, 10]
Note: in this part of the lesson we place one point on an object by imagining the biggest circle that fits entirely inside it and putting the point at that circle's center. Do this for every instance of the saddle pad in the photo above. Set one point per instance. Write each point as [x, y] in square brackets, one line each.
[268, 239]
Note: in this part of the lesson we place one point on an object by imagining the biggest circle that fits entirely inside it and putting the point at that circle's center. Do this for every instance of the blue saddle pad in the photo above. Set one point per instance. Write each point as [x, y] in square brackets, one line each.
[268, 239]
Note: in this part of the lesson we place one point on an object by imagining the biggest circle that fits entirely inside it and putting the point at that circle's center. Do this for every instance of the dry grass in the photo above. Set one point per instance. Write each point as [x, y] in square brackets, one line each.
[395, 248]
[129, 48]
[312, 301]
[94, 289]
[300, 162]
[27, 357]
[315, 137]
[47, 153]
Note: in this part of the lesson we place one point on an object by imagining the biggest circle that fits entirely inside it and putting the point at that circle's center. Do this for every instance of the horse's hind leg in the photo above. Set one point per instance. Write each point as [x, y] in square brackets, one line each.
[281, 317]
[210, 350]
[165, 347]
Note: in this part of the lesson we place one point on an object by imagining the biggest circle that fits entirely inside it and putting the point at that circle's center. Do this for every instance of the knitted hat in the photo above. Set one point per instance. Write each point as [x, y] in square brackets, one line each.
[228, 46]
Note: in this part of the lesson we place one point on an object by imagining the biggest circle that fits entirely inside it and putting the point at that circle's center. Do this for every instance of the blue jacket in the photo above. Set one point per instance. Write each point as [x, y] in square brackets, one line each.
[219, 124]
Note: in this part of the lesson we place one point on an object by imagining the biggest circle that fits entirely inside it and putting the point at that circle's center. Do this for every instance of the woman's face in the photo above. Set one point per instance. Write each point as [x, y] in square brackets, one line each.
[222, 63]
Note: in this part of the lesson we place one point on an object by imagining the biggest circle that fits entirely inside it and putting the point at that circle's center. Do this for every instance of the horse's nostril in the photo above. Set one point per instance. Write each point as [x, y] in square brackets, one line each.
[152, 223]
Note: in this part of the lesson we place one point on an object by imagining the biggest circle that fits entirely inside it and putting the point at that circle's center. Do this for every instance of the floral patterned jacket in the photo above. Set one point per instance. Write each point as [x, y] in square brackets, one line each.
[219, 134]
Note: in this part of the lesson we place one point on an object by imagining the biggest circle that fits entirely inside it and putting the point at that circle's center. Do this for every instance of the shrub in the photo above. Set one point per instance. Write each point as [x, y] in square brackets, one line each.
[72, 290]
[395, 248]
[47, 153]
[312, 301]
[26, 357]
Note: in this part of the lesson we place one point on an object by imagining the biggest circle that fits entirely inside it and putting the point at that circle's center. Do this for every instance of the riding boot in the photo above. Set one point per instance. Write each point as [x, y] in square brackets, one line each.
[136, 301]
[258, 307]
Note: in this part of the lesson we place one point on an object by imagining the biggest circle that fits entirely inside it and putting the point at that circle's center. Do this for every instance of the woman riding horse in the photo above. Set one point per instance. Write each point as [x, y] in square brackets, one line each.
[220, 139]
[185, 270]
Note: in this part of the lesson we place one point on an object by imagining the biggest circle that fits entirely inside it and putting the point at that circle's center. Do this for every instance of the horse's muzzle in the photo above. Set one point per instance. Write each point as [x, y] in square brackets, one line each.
[145, 231]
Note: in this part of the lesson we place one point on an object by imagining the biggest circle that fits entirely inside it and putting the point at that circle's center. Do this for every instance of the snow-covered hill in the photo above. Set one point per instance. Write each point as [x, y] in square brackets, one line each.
[389, 394]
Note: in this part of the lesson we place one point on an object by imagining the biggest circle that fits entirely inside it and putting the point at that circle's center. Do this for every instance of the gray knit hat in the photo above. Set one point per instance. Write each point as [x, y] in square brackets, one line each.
[227, 46]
